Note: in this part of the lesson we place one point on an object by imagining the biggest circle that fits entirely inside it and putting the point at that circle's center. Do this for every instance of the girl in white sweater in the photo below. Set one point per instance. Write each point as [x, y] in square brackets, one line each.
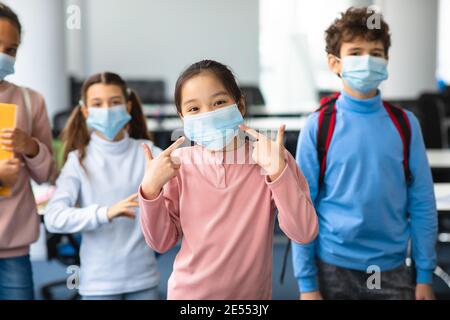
[96, 191]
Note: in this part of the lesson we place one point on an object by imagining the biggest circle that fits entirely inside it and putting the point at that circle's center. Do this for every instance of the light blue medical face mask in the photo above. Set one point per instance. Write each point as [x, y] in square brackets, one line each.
[108, 121]
[214, 130]
[364, 73]
[6, 65]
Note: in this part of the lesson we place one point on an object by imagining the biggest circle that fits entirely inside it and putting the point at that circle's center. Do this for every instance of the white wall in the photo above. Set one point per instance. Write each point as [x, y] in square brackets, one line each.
[412, 58]
[76, 52]
[41, 62]
[292, 48]
[444, 41]
[159, 38]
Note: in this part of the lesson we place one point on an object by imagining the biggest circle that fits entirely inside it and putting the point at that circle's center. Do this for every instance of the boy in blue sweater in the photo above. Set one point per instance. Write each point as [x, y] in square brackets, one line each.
[368, 210]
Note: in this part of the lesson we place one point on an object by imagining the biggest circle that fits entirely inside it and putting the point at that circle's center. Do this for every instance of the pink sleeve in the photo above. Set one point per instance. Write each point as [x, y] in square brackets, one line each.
[160, 219]
[42, 165]
[296, 214]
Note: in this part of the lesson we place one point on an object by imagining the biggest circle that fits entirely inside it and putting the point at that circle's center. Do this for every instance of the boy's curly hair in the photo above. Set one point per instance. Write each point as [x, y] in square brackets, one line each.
[352, 25]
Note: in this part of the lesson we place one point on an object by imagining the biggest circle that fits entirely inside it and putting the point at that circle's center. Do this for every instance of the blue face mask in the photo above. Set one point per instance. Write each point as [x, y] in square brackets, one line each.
[6, 65]
[108, 121]
[364, 73]
[214, 130]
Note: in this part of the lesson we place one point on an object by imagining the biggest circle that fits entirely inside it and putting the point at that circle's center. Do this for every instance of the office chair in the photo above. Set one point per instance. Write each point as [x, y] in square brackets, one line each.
[75, 90]
[64, 248]
[59, 122]
[290, 142]
[325, 93]
[442, 286]
[446, 99]
[253, 95]
[253, 98]
[149, 91]
[432, 115]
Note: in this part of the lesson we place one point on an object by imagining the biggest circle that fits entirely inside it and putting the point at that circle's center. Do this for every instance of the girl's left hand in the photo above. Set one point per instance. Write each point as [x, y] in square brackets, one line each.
[268, 154]
[16, 140]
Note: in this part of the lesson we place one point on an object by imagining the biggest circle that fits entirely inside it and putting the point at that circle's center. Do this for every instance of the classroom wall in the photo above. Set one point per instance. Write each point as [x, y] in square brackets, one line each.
[41, 59]
[413, 56]
[444, 41]
[159, 38]
[167, 35]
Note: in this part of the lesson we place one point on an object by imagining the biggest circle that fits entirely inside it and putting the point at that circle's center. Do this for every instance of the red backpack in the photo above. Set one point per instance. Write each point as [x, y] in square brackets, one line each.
[327, 122]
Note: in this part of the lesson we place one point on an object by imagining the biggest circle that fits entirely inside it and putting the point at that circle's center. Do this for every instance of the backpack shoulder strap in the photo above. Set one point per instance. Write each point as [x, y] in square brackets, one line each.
[327, 100]
[28, 110]
[403, 126]
[327, 122]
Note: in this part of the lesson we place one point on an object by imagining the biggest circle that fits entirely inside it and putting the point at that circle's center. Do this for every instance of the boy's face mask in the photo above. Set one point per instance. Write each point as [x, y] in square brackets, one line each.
[364, 73]
[214, 130]
[6, 65]
[108, 121]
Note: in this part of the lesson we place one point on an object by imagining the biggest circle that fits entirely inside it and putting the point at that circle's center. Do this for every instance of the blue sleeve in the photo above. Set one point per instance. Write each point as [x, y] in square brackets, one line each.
[303, 255]
[421, 207]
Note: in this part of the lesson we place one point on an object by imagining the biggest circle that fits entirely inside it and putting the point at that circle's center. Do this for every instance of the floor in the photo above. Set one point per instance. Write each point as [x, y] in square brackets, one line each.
[45, 272]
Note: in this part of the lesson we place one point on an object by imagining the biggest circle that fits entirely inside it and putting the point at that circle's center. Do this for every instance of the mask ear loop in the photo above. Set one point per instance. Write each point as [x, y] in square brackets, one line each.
[340, 60]
[81, 104]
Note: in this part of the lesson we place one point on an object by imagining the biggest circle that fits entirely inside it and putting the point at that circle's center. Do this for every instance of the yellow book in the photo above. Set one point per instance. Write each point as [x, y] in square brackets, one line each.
[7, 120]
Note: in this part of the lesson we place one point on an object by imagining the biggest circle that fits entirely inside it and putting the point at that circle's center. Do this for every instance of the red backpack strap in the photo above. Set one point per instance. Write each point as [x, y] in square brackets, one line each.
[328, 99]
[403, 126]
[327, 122]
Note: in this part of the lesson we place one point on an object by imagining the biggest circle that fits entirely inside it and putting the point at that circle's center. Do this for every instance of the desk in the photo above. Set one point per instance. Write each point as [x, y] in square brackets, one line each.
[170, 110]
[439, 158]
[442, 192]
[273, 123]
[269, 123]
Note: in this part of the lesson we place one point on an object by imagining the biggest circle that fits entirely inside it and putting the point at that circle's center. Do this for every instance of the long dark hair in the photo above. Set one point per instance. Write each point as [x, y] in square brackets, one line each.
[75, 135]
[8, 14]
[221, 71]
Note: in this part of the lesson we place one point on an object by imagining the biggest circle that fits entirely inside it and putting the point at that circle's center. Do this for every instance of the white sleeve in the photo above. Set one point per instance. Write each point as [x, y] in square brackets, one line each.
[61, 215]
[155, 150]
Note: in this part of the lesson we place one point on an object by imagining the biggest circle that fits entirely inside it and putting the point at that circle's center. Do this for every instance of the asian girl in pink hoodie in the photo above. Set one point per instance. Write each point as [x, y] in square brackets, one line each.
[219, 197]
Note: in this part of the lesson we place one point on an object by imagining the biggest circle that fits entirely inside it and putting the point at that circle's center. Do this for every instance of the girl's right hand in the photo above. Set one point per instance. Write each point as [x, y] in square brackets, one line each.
[9, 171]
[159, 170]
[124, 208]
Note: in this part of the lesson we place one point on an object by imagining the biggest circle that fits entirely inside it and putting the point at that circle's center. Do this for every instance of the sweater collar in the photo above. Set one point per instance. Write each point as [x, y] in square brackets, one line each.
[239, 155]
[110, 146]
[347, 102]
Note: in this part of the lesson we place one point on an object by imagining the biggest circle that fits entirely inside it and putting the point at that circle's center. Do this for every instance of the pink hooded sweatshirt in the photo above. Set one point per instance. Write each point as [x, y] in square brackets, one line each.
[19, 221]
[221, 207]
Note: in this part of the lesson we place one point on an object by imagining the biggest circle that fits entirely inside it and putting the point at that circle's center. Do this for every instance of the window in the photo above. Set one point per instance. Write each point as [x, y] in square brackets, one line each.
[443, 71]
[292, 51]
